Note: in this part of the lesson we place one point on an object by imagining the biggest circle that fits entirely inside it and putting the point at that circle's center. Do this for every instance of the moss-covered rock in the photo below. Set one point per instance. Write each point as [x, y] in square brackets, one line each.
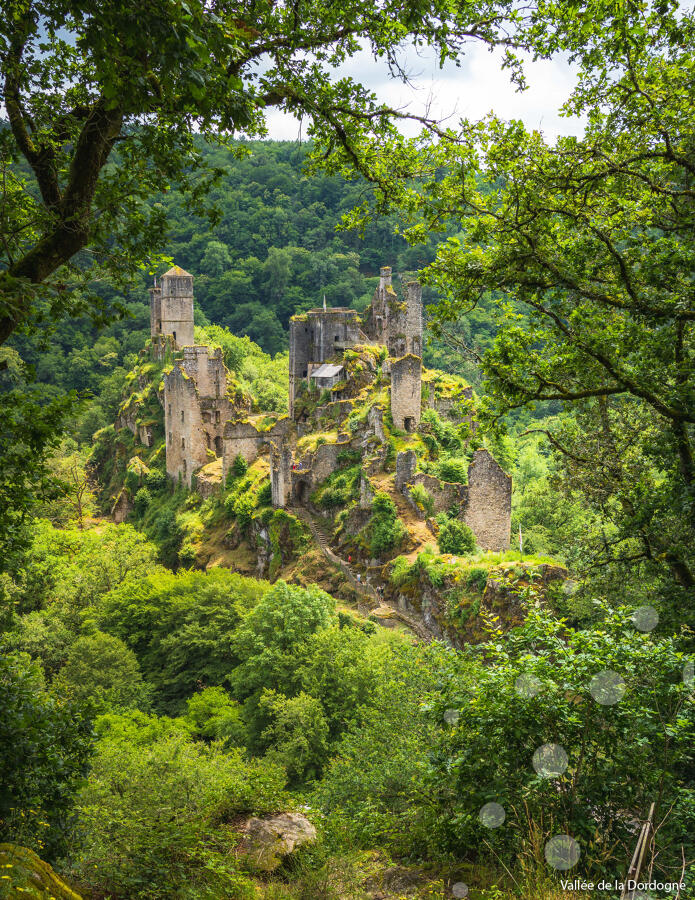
[23, 874]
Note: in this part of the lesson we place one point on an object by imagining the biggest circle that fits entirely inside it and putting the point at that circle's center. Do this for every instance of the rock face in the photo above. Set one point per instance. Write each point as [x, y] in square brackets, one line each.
[25, 875]
[268, 841]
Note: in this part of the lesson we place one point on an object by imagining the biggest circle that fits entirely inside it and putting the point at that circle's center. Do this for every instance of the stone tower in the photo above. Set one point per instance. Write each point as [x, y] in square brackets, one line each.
[406, 392]
[396, 323]
[316, 336]
[195, 411]
[171, 307]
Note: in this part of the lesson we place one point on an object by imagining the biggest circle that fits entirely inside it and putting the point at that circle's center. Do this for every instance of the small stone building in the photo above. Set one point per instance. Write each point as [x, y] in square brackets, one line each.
[317, 336]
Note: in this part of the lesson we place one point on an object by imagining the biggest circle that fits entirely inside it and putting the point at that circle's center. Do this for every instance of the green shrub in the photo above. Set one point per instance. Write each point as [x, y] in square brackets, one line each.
[339, 488]
[455, 537]
[423, 500]
[156, 480]
[265, 494]
[439, 434]
[386, 531]
[477, 579]
[143, 498]
[239, 466]
[102, 669]
[153, 815]
[454, 468]
[44, 751]
[180, 627]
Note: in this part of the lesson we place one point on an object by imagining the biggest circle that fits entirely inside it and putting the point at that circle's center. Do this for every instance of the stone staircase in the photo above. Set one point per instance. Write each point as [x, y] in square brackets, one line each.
[321, 538]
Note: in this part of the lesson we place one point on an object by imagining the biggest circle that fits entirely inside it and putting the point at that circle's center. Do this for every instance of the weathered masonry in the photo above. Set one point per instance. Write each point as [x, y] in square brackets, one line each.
[319, 337]
[195, 411]
[204, 423]
[171, 308]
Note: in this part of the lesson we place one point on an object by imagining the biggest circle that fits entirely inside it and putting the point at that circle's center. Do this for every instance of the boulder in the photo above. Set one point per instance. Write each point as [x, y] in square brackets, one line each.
[23, 874]
[269, 840]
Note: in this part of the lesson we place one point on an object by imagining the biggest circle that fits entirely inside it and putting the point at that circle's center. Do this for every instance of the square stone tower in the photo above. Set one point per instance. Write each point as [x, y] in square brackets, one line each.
[396, 323]
[315, 337]
[171, 307]
[195, 411]
[406, 391]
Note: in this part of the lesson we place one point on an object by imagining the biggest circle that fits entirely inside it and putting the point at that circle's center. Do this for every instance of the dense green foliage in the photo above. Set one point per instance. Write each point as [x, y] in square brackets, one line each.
[455, 537]
[44, 751]
[181, 627]
[148, 707]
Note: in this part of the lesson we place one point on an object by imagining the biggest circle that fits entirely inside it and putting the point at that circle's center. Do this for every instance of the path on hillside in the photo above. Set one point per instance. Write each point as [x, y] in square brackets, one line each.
[383, 610]
[321, 538]
[417, 528]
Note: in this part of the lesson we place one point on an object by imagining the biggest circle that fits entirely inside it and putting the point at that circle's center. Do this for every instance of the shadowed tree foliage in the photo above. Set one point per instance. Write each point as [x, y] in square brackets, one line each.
[102, 107]
[586, 248]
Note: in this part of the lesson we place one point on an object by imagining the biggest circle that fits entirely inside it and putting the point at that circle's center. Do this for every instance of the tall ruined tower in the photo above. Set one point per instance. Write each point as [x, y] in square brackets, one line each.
[195, 410]
[396, 323]
[171, 307]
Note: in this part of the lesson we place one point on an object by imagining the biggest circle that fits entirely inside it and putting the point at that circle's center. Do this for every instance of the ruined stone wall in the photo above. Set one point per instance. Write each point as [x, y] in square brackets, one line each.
[405, 322]
[183, 425]
[317, 336]
[445, 494]
[300, 344]
[195, 411]
[155, 311]
[244, 439]
[206, 367]
[332, 331]
[280, 475]
[406, 386]
[405, 468]
[488, 511]
[325, 461]
[378, 314]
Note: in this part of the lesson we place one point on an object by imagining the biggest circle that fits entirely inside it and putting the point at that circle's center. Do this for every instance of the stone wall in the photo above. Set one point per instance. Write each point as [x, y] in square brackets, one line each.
[171, 307]
[488, 511]
[405, 468]
[206, 367]
[300, 344]
[325, 461]
[485, 503]
[378, 314]
[405, 322]
[242, 438]
[445, 494]
[406, 386]
[280, 475]
[316, 336]
[375, 421]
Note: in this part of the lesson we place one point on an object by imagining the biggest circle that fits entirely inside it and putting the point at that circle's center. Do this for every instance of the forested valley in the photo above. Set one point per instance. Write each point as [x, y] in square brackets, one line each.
[408, 617]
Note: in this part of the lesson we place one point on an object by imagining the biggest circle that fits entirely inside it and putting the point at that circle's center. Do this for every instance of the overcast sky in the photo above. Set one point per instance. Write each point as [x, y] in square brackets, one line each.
[479, 86]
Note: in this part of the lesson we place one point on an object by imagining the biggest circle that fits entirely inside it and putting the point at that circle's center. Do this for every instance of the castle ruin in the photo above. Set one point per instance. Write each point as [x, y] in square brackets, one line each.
[204, 423]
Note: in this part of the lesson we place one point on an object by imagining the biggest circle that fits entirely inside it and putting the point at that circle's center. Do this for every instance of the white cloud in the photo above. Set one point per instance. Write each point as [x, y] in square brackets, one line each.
[479, 86]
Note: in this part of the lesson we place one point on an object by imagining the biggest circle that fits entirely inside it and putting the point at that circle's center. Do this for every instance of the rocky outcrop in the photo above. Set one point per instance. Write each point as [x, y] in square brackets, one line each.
[25, 875]
[268, 841]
